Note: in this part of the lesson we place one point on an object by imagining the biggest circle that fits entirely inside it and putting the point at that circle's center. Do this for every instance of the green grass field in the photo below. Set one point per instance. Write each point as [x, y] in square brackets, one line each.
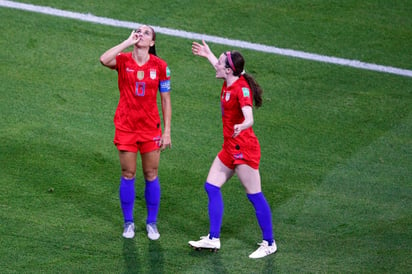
[336, 142]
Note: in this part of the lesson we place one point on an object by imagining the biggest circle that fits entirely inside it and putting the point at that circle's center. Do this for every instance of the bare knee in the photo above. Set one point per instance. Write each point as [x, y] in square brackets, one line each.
[128, 164]
[150, 174]
[128, 174]
[150, 165]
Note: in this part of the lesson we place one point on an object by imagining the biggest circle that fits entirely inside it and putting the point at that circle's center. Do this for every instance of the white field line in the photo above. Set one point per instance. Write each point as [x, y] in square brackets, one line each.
[214, 39]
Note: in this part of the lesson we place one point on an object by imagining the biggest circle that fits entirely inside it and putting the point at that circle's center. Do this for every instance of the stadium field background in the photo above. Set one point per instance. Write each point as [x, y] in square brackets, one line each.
[336, 141]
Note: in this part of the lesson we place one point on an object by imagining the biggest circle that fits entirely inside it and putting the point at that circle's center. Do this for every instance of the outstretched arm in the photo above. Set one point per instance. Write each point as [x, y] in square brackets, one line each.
[203, 50]
[108, 58]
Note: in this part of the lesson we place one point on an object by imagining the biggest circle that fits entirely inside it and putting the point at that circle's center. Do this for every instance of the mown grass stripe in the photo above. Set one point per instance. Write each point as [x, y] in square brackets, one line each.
[210, 38]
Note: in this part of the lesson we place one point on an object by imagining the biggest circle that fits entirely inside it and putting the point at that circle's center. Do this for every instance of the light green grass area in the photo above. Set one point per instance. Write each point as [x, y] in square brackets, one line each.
[371, 31]
[336, 142]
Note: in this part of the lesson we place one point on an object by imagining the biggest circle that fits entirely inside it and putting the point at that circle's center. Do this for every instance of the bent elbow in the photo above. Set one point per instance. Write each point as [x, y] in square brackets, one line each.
[102, 61]
[107, 63]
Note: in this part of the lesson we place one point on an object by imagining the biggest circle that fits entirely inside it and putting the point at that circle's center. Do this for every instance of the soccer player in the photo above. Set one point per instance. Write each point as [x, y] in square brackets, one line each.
[240, 153]
[141, 74]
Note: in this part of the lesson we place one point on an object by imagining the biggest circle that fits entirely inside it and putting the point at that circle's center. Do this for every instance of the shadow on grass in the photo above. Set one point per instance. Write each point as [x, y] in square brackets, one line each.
[214, 261]
[134, 261]
[156, 257]
[130, 256]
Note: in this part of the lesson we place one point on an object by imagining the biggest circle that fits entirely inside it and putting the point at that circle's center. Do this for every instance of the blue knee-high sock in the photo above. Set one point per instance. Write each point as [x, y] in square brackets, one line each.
[127, 197]
[152, 196]
[263, 215]
[215, 208]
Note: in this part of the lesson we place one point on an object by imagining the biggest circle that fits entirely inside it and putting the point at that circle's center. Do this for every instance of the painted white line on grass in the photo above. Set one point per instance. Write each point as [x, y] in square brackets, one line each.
[214, 39]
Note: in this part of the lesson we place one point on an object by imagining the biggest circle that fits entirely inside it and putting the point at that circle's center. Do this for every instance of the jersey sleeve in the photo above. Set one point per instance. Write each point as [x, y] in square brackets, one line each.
[245, 96]
[164, 79]
[120, 58]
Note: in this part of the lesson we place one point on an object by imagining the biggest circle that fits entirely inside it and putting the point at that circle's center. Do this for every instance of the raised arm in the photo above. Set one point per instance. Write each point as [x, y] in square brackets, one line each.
[203, 50]
[108, 58]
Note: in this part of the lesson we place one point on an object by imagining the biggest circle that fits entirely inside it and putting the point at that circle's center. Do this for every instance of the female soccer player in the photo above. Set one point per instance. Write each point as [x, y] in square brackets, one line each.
[137, 121]
[240, 152]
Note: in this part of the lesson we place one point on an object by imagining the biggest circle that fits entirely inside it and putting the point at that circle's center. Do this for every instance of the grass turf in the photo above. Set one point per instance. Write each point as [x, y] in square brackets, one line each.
[336, 161]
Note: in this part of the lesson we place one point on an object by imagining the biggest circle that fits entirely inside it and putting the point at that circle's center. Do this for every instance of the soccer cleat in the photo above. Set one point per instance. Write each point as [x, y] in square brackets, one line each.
[152, 231]
[128, 231]
[206, 243]
[264, 250]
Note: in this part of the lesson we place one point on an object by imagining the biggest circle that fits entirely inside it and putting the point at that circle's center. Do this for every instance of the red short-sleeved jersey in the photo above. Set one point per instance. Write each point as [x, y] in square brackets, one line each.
[232, 100]
[245, 147]
[138, 85]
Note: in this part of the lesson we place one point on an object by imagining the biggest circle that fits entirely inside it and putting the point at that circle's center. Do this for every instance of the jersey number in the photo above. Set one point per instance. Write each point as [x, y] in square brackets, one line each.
[140, 88]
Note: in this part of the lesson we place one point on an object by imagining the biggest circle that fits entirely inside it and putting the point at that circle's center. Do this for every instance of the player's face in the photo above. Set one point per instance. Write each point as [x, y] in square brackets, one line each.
[221, 69]
[145, 34]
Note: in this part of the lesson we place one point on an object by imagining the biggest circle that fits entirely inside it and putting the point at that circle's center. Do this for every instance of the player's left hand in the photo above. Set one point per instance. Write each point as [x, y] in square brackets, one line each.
[165, 142]
[236, 130]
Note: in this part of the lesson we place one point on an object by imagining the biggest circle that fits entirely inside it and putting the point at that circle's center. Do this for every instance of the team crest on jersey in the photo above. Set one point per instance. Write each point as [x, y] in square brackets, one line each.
[246, 92]
[152, 74]
[227, 96]
[140, 74]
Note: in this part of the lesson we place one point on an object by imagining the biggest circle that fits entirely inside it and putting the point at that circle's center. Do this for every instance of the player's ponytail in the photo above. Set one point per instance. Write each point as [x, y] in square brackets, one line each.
[256, 89]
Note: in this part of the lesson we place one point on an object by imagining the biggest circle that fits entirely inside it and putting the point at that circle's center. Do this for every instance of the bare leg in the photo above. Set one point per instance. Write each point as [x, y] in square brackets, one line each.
[219, 173]
[150, 164]
[250, 178]
[127, 190]
[128, 164]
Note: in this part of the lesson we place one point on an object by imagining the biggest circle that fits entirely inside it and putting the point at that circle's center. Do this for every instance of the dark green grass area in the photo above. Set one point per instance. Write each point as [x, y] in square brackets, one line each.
[336, 155]
[361, 208]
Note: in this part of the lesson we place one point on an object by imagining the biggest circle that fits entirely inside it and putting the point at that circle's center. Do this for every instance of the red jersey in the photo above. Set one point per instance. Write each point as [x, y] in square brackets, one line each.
[138, 85]
[244, 148]
[232, 99]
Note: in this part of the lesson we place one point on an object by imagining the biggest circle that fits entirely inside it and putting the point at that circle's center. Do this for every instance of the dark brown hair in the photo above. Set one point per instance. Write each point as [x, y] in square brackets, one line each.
[238, 63]
[152, 49]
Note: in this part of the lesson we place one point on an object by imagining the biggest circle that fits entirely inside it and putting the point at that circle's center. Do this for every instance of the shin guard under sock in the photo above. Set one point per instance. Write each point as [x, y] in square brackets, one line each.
[127, 197]
[263, 215]
[215, 208]
[152, 197]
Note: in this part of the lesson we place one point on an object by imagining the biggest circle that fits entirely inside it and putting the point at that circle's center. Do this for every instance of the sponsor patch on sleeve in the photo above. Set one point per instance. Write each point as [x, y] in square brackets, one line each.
[164, 86]
[246, 92]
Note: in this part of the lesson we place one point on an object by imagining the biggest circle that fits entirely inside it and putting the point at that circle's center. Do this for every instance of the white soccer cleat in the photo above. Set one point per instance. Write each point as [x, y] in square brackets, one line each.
[264, 250]
[128, 231]
[152, 231]
[206, 243]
